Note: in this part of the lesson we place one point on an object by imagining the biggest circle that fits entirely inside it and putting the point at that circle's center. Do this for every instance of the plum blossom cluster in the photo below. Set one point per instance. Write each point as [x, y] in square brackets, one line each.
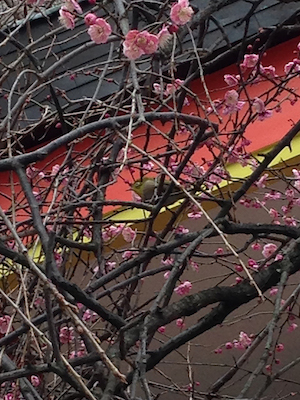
[66, 335]
[99, 30]
[57, 171]
[242, 343]
[253, 70]
[67, 13]
[80, 352]
[229, 105]
[138, 43]
[14, 392]
[112, 231]
[169, 89]
[285, 212]
[184, 288]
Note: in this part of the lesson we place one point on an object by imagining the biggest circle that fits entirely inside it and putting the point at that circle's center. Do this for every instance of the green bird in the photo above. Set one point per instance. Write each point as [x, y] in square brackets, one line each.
[147, 188]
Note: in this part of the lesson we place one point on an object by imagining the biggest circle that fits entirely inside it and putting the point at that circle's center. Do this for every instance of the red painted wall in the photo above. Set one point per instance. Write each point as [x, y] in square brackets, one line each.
[260, 133]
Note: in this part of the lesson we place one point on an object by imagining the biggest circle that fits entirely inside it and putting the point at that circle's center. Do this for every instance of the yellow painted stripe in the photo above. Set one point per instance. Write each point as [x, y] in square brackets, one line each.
[235, 170]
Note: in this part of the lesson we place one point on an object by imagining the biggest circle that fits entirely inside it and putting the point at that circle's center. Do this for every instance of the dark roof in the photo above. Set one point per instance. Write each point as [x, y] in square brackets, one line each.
[225, 28]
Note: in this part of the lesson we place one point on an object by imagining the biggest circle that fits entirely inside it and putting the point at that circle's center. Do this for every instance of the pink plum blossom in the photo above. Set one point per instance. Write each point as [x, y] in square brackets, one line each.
[66, 335]
[111, 232]
[96, 269]
[172, 87]
[296, 174]
[138, 43]
[35, 380]
[292, 327]
[194, 266]
[89, 316]
[183, 288]
[269, 71]
[66, 18]
[11, 396]
[279, 347]
[31, 172]
[131, 48]
[231, 80]
[256, 246]
[181, 230]
[269, 249]
[127, 254]
[228, 345]
[218, 351]
[232, 103]
[157, 88]
[273, 213]
[195, 215]
[290, 221]
[217, 105]
[181, 12]
[161, 329]
[110, 265]
[173, 28]
[90, 19]
[80, 352]
[272, 195]
[289, 194]
[250, 60]
[99, 31]
[72, 5]
[218, 176]
[55, 170]
[273, 291]
[261, 183]
[239, 268]
[292, 66]
[58, 259]
[259, 107]
[219, 251]
[180, 323]
[244, 339]
[164, 37]
[253, 264]
[167, 261]
[167, 274]
[4, 323]
[129, 234]
[39, 301]
[37, 195]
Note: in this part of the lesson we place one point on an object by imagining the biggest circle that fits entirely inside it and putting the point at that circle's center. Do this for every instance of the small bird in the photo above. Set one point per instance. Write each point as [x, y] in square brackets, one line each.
[147, 187]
